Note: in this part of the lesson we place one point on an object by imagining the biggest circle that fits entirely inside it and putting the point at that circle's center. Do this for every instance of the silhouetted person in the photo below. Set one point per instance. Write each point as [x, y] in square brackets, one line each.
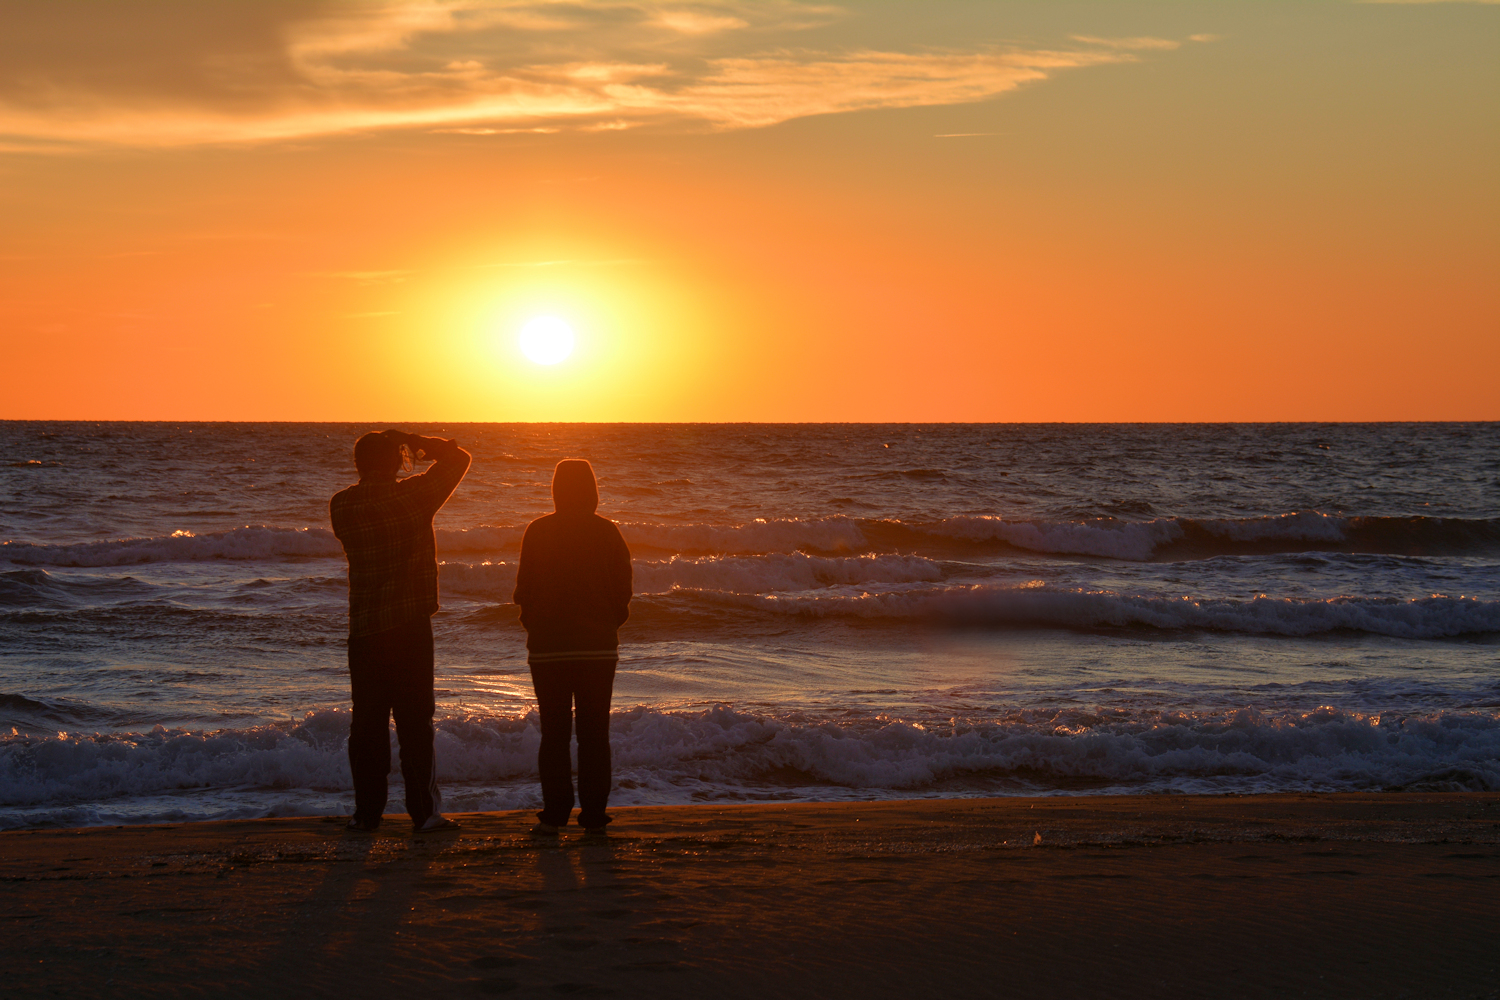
[386, 528]
[573, 586]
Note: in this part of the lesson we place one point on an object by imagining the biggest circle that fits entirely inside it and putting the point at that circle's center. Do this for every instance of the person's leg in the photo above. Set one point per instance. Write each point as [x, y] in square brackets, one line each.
[592, 691]
[413, 707]
[369, 728]
[554, 699]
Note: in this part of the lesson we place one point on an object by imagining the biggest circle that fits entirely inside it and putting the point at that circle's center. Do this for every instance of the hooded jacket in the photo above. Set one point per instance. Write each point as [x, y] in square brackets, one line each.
[573, 584]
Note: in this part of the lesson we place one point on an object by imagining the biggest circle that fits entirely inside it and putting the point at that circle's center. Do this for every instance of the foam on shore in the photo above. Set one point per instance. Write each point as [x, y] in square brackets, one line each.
[721, 754]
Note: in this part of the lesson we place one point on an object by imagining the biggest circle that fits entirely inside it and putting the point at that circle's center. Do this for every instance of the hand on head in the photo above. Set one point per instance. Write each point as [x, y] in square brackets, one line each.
[425, 448]
[378, 455]
[399, 437]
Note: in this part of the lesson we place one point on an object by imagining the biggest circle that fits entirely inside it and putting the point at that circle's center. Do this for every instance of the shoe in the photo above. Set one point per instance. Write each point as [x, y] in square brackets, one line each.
[436, 822]
[362, 825]
[596, 832]
[595, 824]
[544, 830]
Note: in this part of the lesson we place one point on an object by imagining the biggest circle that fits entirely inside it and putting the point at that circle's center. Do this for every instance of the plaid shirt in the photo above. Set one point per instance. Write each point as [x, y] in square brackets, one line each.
[386, 529]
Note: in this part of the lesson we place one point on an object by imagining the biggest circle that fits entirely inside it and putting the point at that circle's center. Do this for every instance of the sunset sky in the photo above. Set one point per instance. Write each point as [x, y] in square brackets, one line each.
[998, 211]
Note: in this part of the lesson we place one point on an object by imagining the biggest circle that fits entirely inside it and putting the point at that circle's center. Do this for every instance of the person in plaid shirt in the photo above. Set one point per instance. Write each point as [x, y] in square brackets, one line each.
[385, 525]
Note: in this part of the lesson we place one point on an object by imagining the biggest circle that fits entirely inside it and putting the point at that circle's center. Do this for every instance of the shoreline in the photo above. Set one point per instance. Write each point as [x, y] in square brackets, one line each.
[1344, 894]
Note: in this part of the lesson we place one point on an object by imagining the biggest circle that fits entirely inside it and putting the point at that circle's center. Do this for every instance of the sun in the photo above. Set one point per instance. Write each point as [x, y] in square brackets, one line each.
[547, 340]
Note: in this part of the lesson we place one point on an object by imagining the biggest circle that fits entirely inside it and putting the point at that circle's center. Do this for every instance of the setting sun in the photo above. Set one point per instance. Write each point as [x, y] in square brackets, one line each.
[547, 340]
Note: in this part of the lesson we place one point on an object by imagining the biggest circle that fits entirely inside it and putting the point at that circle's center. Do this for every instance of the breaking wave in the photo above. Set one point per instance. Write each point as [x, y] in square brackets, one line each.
[725, 754]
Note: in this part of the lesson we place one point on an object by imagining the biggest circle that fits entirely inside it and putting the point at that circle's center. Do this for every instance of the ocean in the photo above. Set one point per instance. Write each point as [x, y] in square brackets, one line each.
[823, 612]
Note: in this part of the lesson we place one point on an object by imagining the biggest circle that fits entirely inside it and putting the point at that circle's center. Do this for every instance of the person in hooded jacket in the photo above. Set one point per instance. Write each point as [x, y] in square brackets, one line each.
[573, 587]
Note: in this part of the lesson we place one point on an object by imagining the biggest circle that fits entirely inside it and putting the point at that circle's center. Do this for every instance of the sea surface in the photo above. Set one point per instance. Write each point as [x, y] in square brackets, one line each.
[825, 612]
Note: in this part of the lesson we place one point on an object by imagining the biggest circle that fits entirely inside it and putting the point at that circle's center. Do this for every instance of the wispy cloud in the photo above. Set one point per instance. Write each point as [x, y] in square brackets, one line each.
[758, 91]
[81, 76]
[540, 129]
[691, 22]
[1128, 43]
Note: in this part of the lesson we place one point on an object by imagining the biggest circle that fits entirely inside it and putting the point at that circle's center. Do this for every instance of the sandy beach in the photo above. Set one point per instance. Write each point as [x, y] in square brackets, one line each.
[1382, 895]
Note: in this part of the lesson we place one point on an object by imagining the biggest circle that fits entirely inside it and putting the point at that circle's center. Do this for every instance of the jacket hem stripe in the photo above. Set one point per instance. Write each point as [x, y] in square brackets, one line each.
[581, 654]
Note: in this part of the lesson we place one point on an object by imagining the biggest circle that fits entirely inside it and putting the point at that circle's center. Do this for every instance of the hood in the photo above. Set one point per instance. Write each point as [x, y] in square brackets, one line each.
[574, 490]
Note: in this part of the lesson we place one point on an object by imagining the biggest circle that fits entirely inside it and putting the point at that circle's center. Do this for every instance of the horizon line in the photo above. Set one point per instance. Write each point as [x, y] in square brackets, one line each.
[740, 423]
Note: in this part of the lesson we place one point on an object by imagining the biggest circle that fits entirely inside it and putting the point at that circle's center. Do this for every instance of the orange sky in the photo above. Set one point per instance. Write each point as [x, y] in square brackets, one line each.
[769, 211]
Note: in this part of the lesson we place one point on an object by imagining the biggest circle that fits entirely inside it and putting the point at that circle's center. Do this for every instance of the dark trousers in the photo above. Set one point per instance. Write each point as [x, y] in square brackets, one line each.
[390, 674]
[560, 686]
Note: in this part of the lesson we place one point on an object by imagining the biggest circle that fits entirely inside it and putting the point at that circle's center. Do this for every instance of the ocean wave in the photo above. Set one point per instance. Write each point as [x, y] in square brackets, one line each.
[248, 542]
[36, 588]
[485, 538]
[1199, 538]
[1110, 538]
[260, 542]
[1433, 617]
[31, 588]
[835, 534]
[1106, 537]
[722, 753]
[779, 572]
[31, 714]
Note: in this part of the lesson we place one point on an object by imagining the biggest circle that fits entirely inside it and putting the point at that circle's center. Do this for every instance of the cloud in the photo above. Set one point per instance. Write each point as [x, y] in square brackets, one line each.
[78, 74]
[759, 91]
[696, 23]
[1128, 43]
[540, 130]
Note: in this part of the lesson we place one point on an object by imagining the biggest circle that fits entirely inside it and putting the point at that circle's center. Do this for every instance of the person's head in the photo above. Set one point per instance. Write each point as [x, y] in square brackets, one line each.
[574, 490]
[377, 457]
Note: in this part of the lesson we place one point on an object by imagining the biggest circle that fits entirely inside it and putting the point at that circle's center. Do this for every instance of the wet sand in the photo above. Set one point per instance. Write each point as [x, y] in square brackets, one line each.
[1370, 896]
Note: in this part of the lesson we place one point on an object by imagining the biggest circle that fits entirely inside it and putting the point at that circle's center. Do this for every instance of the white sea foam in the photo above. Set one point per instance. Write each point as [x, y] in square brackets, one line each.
[1420, 618]
[723, 753]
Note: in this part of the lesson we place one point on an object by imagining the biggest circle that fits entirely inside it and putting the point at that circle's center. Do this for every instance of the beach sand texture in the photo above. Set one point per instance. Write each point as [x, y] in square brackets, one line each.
[1379, 895]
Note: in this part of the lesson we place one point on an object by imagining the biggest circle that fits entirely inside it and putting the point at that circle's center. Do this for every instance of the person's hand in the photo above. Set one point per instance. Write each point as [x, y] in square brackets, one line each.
[433, 446]
[411, 442]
